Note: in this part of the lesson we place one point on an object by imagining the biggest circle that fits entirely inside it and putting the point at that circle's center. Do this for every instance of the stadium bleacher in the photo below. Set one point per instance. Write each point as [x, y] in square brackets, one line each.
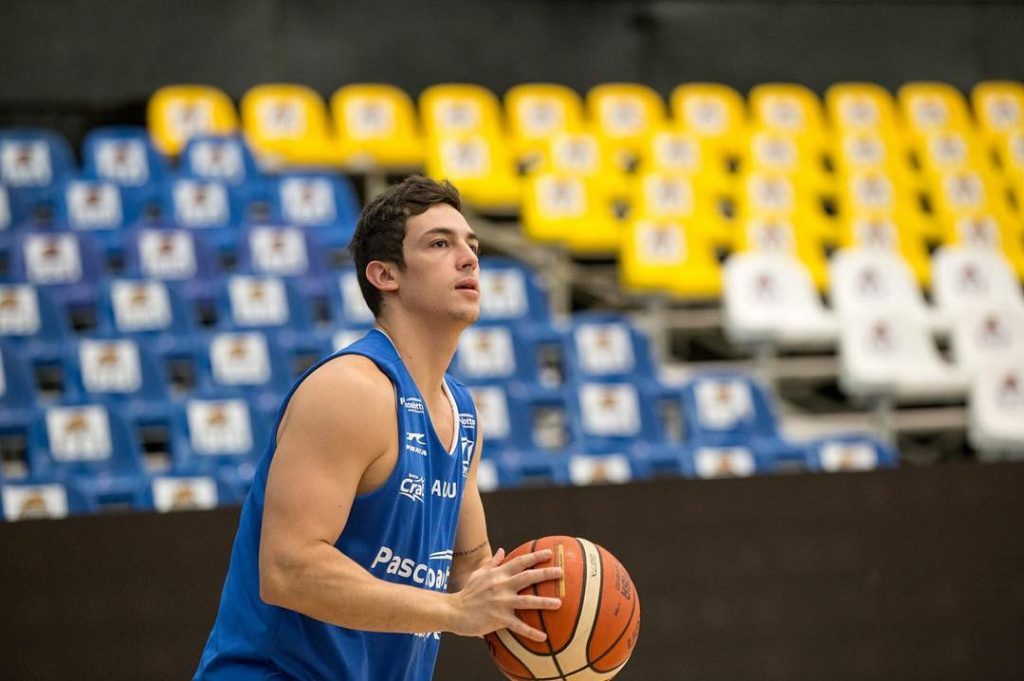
[181, 275]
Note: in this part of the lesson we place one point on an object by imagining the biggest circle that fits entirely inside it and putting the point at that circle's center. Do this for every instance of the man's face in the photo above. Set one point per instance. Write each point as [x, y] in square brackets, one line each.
[442, 269]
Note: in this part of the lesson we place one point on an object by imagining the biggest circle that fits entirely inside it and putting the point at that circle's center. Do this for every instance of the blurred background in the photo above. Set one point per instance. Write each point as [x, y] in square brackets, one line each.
[752, 314]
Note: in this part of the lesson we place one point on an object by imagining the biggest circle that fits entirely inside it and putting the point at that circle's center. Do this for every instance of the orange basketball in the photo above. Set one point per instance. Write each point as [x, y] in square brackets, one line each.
[592, 634]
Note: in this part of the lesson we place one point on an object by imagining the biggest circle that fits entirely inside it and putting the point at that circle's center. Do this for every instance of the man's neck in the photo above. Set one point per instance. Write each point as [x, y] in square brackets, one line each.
[426, 348]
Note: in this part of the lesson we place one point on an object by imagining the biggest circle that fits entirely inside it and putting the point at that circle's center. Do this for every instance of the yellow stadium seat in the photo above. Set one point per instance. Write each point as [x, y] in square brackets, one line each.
[678, 152]
[177, 112]
[537, 111]
[777, 152]
[861, 107]
[998, 107]
[900, 233]
[625, 114]
[944, 151]
[675, 196]
[564, 209]
[480, 167]
[863, 150]
[585, 155]
[456, 109]
[289, 124]
[1010, 152]
[787, 108]
[778, 196]
[968, 191]
[927, 107]
[715, 113]
[873, 191]
[376, 127]
[786, 236]
[988, 231]
[668, 256]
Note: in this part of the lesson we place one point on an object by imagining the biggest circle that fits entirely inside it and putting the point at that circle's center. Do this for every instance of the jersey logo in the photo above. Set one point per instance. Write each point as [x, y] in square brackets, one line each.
[412, 487]
[416, 443]
[467, 455]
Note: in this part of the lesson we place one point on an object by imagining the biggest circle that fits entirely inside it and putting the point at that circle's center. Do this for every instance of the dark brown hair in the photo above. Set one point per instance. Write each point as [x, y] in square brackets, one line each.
[380, 230]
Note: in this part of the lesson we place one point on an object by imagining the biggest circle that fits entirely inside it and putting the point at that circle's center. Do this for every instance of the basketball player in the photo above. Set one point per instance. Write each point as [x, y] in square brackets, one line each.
[364, 535]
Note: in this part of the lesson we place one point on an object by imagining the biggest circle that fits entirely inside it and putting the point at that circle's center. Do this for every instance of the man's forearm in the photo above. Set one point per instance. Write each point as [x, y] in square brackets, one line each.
[465, 563]
[327, 585]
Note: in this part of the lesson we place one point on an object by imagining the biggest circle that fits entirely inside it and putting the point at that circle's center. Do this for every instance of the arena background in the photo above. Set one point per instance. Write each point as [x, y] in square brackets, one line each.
[916, 573]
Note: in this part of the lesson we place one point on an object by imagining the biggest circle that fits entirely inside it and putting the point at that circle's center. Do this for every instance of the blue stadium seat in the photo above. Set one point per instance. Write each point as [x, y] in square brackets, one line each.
[849, 452]
[206, 206]
[289, 252]
[345, 300]
[728, 409]
[495, 351]
[180, 255]
[725, 461]
[122, 374]
[18, 392]
[325, 204]
[220, 436]
[98, 207]
[269, 304]
[613, 416]
[13, 212]
[32, 162]
[89, 445]
[510, 292]
[34, 500]
[343, 336]
[66, 265]
[32, 321]
[124, 155]
[178, 492]
[246, 364]
[223, 158]
[154, 313]
[604, 346]
[542, 434]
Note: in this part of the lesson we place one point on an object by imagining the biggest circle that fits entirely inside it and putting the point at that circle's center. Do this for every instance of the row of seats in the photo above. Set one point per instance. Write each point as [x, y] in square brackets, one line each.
[104, 198]
[84, 455]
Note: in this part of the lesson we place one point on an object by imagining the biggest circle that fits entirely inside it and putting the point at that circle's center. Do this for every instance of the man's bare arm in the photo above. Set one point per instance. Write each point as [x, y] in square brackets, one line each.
[340, 423]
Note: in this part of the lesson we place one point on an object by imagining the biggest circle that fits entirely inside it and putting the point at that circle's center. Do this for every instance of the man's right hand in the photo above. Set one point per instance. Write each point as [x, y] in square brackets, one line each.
[490, 597]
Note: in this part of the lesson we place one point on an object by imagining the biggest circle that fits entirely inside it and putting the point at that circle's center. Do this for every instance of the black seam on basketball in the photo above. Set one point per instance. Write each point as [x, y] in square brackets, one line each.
[543, 626]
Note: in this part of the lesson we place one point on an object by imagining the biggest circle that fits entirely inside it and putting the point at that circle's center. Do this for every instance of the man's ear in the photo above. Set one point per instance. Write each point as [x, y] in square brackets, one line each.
[382, 275]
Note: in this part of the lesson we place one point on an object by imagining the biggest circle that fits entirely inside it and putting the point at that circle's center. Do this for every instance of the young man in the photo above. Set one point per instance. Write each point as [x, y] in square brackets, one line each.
[364, 534]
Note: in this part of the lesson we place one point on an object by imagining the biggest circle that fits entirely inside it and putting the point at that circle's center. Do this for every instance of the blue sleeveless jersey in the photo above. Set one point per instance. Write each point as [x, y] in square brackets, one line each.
[403, 532]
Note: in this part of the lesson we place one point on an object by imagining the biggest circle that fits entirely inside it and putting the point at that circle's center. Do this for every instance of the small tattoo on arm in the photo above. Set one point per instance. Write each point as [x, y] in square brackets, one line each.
[460, 554]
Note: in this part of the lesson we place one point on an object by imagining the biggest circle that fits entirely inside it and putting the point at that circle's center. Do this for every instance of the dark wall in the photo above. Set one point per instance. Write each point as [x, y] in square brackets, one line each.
[908, 574]
[84, 62]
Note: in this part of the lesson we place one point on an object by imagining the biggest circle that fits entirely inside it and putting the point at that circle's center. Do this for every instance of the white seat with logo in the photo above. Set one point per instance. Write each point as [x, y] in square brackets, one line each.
[770, 298]
[995, 421]
[965, 278]
[866, 280]
[887, 353]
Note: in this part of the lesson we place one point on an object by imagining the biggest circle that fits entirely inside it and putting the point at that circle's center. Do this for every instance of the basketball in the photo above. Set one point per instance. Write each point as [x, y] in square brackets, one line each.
[592, 635]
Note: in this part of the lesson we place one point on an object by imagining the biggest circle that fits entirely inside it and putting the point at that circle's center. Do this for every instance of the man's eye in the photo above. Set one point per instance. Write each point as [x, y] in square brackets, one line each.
[439, 242]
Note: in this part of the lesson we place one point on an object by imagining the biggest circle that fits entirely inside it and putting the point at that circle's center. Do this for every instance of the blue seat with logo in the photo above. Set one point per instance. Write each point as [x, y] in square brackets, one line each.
[39, 499]
[218, 435]
[223, 158]
[345, 300]
[849, 452]
[245, 364]
[89, 445]
[207, 206]
[172, 492]
[606, 346]
[156, 314]
[32, 322]
[99, 207]
[173, 255]
[68, 266]
[729, 409]
[288, 252]
[124, 155]
[271, 305]
[122, 374]
[325, 204]
[33, 161]
[511, 293]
